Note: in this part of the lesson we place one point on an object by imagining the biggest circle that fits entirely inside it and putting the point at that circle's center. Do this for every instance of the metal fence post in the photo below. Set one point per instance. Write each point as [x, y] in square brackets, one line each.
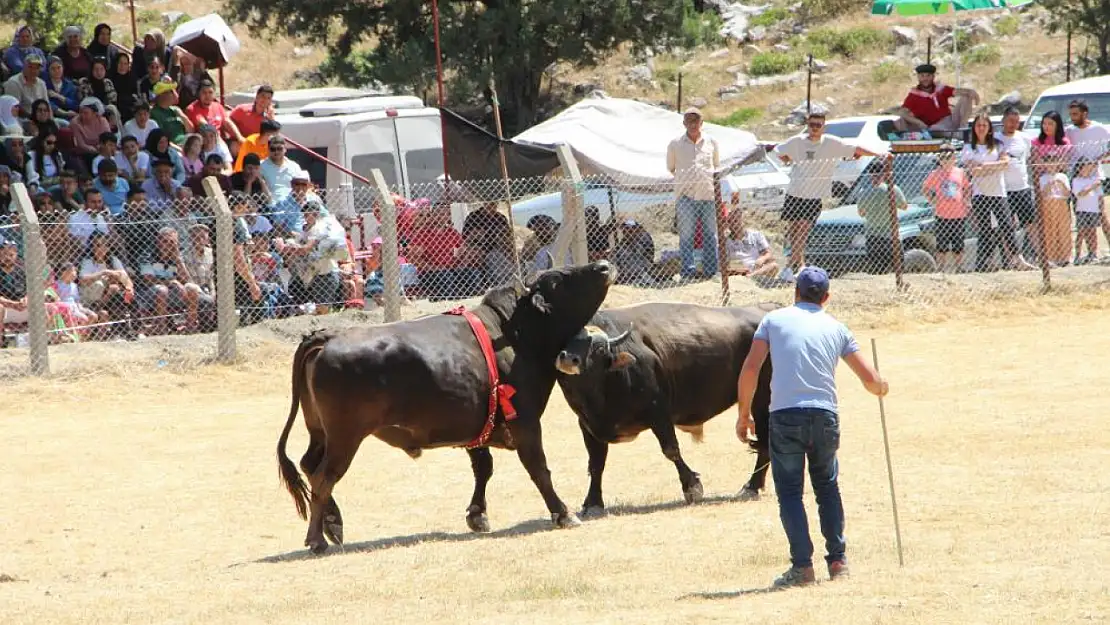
[391, 269]
[34, 259]
[226, 320]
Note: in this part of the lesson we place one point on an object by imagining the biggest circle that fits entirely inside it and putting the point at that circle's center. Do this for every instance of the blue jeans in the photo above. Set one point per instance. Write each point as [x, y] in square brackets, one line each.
[798, 434]
[689, 211]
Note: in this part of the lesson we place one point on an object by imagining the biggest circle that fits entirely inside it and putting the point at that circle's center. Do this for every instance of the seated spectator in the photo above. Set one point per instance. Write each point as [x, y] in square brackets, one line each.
[251, 182]
[171, 119]
[61, 90]
[248, 117]
[190, 156]
[184, 214]
[153, 48]
[68, 295]
[248, 292]
[874, 207]
[158, 147]
[434, 250]
[208, 110]
[132, 162]
[634, 253]
[6, 209]
[15, 156]
[138, 227]
[27, 86]
[23, 46]
[257, 144]
[213, 167]
[471, 259]
[260, 225]
[106, 148]
[141, 125]
[490, 232]
[597, 235]
[265, 264]
[70, 159]
[54, 225]
[200, 259]
[106, 287]
[313, 257]
[88, 128]
[93, 217]
[98, 85]
[155, 73]
[76, 60]
[189, 74]
[926, 106]
[112, 187]
[287, 215]
[210, 144]
[13, 287]
[538, 251]
[100, 46]
[42, 119]
[749, 253]
[279, 171]
[67, 194]
[46, 160]
[127, 89]
[9, 116]
[168, 287]
[161, 188]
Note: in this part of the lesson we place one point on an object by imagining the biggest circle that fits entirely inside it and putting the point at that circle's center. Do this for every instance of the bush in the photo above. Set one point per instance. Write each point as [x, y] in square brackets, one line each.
[50, 18]
[775, 63]
[770, 17]
[889, 70]
[985, 54]
[1007, 26]
[700, 29]
[820, 9]
[1011, 76]
[739, 117]
[853, 42]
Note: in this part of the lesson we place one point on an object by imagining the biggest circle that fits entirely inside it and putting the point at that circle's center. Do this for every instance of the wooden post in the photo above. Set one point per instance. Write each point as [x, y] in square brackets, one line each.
[809, 85]
[227, 321]
[895, 236]
[574, 225]
[34, 259]
[505, 178]
[929, 49]
[391, 269]
[722, 254]
[678, 104]
[1067, 77]
[135, 30]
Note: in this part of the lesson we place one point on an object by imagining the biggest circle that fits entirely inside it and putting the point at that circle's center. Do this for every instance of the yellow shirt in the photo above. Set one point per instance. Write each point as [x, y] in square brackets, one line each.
[252, 145]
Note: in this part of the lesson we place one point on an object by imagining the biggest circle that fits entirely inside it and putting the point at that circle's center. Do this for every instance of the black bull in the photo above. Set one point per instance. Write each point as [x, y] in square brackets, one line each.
[659, 366]
[424, 384]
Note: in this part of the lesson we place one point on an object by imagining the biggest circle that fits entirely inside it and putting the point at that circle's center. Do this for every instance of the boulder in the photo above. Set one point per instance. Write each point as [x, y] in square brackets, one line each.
[819, 66]
[719, 54]
[699, 102]
[757, 33]
[904, 36]
[640, 73]
[169, 18]
[750, 50]
[781, 47]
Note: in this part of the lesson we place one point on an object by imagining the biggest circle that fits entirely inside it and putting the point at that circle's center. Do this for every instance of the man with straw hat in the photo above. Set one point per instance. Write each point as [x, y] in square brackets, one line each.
[805, 344]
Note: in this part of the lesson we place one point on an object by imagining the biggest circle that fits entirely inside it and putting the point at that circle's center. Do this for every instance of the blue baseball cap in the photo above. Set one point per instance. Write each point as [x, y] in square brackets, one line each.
[813, 282]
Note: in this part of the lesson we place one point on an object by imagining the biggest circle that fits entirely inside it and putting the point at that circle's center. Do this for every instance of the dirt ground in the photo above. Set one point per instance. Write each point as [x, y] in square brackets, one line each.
[140, 493]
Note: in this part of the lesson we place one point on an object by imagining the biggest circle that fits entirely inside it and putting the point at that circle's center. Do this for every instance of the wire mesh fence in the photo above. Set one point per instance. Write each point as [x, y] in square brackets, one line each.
[931, 224]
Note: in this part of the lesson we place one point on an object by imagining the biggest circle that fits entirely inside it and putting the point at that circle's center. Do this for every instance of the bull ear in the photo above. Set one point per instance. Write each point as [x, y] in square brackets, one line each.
[540, 303]
[621, 361]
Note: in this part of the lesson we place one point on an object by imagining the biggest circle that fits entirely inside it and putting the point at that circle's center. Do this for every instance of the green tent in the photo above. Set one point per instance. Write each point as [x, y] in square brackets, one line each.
[934, 7]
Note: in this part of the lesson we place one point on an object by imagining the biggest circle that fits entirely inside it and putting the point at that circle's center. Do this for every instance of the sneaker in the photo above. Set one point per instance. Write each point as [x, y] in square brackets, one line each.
[795, 576]
[838, 568]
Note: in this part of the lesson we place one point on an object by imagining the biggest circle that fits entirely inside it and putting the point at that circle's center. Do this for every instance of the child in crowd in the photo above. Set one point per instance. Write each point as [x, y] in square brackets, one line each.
[68, 296]
[1087, 189]
[1054, 190]
[949, 189]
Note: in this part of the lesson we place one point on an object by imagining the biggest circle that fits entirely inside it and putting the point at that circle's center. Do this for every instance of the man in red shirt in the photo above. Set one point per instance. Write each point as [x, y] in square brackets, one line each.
[926, 106]
[248, 117]
[434, 249]
[206, 109]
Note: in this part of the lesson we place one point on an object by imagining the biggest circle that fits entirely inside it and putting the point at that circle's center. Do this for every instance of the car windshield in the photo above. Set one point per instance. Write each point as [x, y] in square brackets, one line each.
[910, 171]
[1098, 103]
[845, 130]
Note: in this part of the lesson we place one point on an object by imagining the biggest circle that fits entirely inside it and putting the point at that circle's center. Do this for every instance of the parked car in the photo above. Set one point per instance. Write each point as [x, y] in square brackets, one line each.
[1095, 91]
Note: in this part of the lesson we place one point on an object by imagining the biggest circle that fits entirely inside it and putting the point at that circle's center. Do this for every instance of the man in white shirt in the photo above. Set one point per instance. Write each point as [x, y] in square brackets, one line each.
[1019, 194]
[278, 171]
[749, 252]
[816, 156]
[26, 86]
[1091, 140]
[92, 218]
[693, 158]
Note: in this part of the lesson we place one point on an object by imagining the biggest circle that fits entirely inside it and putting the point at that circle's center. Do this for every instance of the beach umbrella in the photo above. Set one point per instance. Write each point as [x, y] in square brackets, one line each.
[909, 8]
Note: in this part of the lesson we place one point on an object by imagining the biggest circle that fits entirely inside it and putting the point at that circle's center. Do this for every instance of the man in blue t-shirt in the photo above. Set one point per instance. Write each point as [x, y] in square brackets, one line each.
[805, 344]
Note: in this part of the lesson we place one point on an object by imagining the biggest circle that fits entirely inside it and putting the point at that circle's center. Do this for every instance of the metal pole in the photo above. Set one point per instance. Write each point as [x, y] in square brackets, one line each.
[929, 49]
[505, 175]
[889, 468]
[134, 29]
[678, 105]
[809, 85]
[1068, 76]
[439, 84]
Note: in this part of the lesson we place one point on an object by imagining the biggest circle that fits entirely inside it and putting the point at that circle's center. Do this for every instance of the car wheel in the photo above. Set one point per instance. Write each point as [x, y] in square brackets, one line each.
[918, 261]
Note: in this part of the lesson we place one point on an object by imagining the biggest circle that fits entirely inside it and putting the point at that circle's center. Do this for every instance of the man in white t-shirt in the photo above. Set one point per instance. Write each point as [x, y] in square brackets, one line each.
[816, 156]
[749, 252]
[1019, 194]
[1091, 140]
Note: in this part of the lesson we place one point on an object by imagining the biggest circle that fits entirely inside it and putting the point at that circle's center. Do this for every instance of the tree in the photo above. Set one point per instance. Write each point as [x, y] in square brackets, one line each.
[1086, 17]
[49, 17]
[512, 40]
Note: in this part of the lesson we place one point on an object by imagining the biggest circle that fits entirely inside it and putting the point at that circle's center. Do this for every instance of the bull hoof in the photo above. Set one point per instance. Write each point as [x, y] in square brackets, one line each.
[333, 529]
[694, 494]
[316, 545]
[747, 494]
[565, 520]
[477, 520]
[594, 511]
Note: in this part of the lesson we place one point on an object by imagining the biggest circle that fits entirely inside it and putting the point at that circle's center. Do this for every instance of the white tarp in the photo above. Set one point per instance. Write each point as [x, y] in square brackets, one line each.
[628, 140]
[208, 34]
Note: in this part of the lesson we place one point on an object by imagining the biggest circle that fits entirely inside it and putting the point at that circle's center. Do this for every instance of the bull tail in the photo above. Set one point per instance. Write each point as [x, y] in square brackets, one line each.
[290, 476]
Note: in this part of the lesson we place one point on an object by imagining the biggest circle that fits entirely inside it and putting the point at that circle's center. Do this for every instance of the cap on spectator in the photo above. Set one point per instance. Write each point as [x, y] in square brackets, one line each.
[163, 86]
[32, 59]
[693, 110]
[264, 88]
[251, 159]
[269, 125]
[302, 176]
[71, 30]
[813, 281]
[376, 241]
[926, 68]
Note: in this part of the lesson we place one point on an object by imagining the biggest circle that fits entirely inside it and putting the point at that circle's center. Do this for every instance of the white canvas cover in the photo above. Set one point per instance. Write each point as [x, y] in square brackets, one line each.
[208, 37]
[628, 140]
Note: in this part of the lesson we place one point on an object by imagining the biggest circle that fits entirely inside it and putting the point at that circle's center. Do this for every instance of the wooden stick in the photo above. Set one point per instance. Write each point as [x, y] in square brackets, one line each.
[889, 469]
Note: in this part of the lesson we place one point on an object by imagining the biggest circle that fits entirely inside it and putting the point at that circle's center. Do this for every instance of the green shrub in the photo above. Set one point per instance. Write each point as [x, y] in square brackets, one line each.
[1011, 76]
[701, 29]
[775, 63]
[50, 18]
[770, 17]
[889, 70]
[820, 9]
[739, 117]
[853, 42]
[985, 54]
[1007, 26]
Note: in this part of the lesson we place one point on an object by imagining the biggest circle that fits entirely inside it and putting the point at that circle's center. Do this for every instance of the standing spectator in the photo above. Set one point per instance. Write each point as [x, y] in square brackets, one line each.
[1055, 190]
[141, 125]
[926, 106]
[1087, 188]
[1089, 140]
[73, 55]
[171, 119]
[23, 46]
[692, 159]
[127, 88]
[61, 90]
[153, 48]
[208, 110]
[248, 117]
[101, 46]
[279, 170]
[1052, 144]
[949, 189]
[26, 85]
[133, 163]
[814, 157]
[805, 344]
[1019, 194]
[112, 187]
[258, 143]
[98, 85]
[987, 162]
[749, 252]
[161, 188]
[874, 207]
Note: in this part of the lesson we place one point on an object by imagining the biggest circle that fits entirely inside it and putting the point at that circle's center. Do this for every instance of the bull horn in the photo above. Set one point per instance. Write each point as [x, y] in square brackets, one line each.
[620, 338]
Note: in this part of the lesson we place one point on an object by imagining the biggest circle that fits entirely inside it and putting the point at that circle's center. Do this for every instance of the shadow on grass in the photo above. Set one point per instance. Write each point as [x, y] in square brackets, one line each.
[729, 594]
[524, 528]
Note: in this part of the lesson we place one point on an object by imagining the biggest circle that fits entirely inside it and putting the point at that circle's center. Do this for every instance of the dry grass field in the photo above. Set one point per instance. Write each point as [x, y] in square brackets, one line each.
[150, 495]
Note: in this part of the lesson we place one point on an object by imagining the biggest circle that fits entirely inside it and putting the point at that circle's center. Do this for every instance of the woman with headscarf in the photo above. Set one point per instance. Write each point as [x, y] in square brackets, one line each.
[61, 90]
[98, 85]
[15, 156]
[9, 116]
[23, 45]
[101, 45]
[188, 75]
[153, 47]
[87, 128]
[76, 60]
[127, 88]
[158, 147]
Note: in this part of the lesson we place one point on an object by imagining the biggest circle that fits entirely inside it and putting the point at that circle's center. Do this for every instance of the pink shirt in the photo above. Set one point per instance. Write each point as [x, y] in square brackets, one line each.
[1050, 150]
[949, 190]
